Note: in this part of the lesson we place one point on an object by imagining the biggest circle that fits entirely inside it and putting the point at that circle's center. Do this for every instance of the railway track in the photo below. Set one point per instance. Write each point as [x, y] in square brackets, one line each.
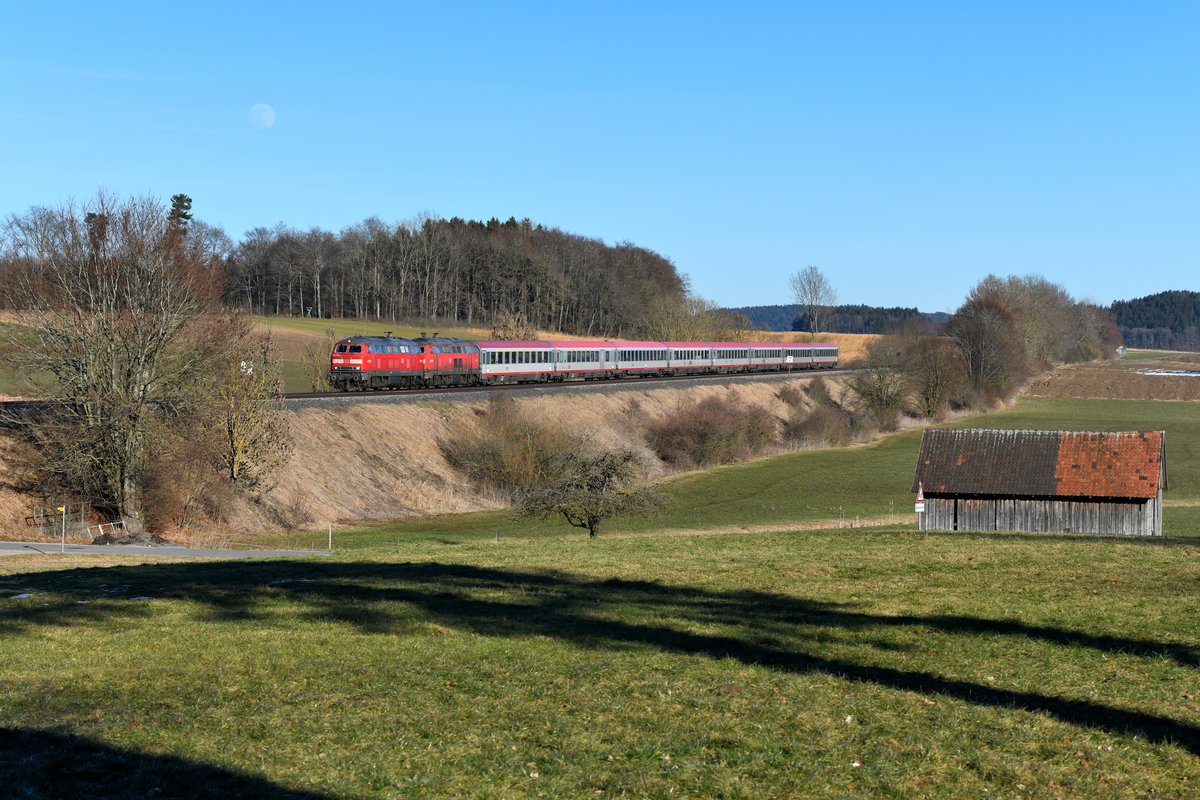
[320, 399]
[13, 410]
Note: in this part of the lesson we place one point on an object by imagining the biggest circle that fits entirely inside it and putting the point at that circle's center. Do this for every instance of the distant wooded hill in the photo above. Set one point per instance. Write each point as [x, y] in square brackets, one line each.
[1163, 321]
[846, 319]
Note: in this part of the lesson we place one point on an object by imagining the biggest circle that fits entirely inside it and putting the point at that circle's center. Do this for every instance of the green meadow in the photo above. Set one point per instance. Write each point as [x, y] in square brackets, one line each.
[671, 657]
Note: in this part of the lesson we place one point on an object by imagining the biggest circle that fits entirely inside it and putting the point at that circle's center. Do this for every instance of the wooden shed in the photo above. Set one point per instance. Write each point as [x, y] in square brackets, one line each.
[1046, 481]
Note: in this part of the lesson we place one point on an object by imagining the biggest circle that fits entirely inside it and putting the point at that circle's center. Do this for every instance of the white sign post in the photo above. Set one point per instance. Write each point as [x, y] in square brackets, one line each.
[920, 498]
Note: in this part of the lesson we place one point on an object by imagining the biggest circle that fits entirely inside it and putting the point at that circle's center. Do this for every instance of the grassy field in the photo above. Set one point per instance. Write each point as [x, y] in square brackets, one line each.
[856, 663]
[433, 659]
[1154, 355]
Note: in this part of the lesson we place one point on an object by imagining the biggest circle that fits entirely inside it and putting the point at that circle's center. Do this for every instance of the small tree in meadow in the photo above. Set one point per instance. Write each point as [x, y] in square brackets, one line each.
[590, 488]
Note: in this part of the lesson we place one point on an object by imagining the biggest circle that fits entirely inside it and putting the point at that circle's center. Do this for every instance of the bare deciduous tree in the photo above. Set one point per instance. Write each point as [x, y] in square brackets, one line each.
[935, 372]
[315, 360]
[248, 405]
[992, 348]
[691, 318]
[591, 487]
[881, 385]
[509, 326]
[107, 293]
[815, 295]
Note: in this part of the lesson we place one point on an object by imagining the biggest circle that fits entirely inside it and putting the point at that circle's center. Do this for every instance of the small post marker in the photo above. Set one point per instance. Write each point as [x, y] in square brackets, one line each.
[62, 548]
[920, 503]
[331, 537]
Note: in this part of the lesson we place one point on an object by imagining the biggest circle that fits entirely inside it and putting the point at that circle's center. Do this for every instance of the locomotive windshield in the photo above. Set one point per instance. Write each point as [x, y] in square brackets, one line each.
[356, 348]
[341, 348]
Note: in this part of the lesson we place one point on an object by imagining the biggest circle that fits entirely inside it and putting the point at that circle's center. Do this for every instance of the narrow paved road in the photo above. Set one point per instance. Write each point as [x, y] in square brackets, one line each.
[16, 548]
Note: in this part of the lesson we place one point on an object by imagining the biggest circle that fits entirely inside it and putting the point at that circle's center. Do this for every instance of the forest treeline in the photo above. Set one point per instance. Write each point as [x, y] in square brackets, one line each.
[1163, 321]
[467, 271]
[842, 318]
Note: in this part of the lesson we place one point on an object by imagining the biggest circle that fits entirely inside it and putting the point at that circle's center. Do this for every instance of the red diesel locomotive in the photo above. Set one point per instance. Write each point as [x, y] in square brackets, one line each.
[388, 362]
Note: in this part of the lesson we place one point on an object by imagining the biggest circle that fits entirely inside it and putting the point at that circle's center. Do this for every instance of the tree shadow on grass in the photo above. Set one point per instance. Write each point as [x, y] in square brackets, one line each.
[759, 628]
[45, 764]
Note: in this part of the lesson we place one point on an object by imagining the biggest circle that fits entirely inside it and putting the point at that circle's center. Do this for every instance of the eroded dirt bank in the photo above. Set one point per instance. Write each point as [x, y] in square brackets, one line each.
[366, 461]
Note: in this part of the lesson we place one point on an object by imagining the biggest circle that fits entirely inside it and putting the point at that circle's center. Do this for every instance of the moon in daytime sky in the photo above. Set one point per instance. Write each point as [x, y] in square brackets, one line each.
[262, 115]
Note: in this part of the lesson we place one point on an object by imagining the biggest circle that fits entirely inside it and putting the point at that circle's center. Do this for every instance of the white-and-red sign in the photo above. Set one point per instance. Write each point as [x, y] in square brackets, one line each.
[920, 498]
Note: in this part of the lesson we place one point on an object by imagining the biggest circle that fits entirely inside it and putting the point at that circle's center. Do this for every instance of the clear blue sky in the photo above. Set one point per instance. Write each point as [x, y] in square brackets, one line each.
[907, 149]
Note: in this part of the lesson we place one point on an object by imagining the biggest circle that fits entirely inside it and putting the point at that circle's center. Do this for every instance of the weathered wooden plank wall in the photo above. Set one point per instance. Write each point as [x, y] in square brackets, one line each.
[1045, 515]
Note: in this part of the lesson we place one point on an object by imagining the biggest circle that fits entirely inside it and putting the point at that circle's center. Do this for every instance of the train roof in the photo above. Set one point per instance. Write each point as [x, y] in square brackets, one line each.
[616, 344]
[524, 344]
[761, 345]
[376, 340]
[586, 344]
[435, 339]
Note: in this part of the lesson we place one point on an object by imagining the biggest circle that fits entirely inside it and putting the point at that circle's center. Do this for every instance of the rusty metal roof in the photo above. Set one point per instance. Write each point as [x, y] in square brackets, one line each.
[966, 461]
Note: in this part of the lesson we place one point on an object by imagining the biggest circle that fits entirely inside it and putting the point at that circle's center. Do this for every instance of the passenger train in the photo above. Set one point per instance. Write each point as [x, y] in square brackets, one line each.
[389, 362]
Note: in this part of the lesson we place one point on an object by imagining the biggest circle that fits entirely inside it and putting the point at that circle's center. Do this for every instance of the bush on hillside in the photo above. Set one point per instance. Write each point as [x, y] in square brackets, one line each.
[508, 450]
[712, 431]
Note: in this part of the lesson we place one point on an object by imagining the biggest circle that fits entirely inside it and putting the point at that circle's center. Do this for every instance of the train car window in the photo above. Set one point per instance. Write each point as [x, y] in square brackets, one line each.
[356, 348]
[341, 348]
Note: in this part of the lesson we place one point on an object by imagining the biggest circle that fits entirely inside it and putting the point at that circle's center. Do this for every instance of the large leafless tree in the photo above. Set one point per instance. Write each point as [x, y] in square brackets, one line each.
[815, 295]
[107, 293]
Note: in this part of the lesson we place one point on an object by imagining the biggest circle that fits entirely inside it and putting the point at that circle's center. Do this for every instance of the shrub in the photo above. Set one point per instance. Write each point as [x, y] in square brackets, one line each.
[712, 431]
[791, 396]
[881, 391]
[508, 450]
[824, 425]
[818, 392]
